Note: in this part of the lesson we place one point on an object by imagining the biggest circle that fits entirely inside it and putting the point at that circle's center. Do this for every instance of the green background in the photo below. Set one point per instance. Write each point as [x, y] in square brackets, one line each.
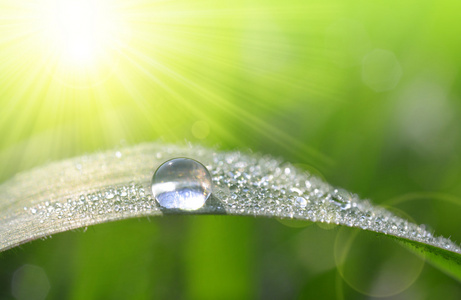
[365, 94]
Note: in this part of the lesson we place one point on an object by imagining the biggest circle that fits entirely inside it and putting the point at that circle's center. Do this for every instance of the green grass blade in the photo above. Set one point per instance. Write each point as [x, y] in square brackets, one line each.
[115, 185]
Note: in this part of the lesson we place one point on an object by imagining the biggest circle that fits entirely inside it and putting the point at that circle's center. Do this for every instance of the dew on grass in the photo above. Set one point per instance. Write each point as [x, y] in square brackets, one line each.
[181, 183]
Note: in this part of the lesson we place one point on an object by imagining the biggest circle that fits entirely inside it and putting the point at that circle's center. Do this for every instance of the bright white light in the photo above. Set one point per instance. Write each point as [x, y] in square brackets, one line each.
[79, 31]
[78, 27]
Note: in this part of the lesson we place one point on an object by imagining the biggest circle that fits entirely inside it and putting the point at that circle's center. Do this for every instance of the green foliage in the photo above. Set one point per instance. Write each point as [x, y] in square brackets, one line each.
[296, 79]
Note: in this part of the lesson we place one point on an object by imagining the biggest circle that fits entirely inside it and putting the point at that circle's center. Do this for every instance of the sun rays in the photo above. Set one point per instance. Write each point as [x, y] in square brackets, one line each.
[97, 66]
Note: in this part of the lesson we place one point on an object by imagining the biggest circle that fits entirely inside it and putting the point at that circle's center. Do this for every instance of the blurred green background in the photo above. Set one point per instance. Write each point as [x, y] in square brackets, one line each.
[365, 94]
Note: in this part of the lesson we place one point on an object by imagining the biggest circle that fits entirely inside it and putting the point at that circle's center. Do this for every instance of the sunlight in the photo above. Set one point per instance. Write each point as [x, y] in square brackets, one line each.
[78, 31]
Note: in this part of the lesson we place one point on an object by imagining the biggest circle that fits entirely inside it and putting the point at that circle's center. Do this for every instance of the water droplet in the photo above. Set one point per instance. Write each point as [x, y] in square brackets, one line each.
[301, 202]
[109, 194]
[181, 183]
[342, 199]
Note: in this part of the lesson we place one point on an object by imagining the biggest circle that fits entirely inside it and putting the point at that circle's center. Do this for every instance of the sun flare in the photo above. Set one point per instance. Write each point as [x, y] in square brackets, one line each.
[78, 32]
[77, 43]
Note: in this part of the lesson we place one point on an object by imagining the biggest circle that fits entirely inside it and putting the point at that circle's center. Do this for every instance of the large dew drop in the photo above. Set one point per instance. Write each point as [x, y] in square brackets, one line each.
[181, 183]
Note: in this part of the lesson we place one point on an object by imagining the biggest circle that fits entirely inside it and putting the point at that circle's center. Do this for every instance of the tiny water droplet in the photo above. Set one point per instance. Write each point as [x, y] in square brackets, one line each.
[287, 171]
[109, 194]
[342, 199]
[181, 183]
[301, 202]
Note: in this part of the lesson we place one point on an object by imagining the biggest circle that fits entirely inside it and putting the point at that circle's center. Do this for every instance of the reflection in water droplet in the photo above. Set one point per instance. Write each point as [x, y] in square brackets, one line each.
[181, 183]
